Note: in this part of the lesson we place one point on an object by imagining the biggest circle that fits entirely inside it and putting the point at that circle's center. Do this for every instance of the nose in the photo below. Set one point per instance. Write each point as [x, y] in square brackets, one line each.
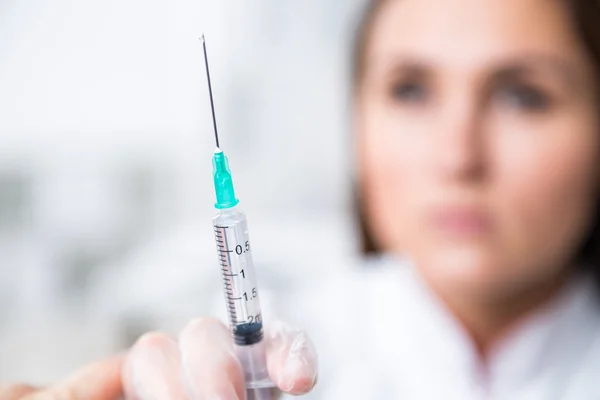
[459, 141]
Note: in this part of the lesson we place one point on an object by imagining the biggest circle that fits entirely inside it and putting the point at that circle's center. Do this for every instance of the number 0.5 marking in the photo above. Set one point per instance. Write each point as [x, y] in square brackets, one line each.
[239, 250]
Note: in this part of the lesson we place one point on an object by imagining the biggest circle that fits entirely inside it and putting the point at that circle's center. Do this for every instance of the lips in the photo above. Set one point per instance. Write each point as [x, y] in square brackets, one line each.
[461, 222]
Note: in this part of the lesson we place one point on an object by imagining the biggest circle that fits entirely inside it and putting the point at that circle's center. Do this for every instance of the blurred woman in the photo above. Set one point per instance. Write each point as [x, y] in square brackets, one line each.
[477, 137]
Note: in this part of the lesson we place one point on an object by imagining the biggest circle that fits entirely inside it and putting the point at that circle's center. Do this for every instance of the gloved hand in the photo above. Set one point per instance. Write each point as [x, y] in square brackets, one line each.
[199, 365]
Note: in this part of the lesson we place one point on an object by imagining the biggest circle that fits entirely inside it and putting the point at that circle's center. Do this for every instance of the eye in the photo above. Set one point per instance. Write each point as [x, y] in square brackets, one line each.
[524, 97]
[409, 92]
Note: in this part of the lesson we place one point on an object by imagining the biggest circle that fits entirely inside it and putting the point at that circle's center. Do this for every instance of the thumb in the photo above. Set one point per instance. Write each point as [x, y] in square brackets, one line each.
[98, 381]
[291, 359]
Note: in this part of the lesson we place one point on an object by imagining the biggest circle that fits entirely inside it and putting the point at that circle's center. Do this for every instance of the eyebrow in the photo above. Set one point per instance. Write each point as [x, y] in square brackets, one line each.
[511, 66]
[523, 65]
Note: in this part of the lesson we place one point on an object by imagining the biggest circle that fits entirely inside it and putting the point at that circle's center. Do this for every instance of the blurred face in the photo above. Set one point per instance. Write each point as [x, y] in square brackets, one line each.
[478, 140]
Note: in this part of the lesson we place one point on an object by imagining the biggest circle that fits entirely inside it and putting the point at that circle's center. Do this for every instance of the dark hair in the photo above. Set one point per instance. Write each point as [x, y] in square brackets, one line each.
[586, 17]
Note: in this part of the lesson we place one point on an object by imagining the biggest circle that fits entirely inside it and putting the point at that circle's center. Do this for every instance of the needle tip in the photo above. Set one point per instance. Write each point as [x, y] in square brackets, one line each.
[202, 38]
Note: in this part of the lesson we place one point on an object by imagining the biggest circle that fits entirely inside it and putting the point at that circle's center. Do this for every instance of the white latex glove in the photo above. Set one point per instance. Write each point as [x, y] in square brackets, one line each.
[199, 365]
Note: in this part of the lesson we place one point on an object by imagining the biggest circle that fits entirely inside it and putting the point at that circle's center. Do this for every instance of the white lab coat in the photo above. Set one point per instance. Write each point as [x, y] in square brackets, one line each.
[381, 334]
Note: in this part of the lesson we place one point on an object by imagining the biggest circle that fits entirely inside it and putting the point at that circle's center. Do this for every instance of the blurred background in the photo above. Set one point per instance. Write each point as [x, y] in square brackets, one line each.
[106, 193]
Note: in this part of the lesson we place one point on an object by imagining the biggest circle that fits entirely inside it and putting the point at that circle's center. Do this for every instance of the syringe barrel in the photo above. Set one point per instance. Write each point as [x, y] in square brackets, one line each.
[239, 277]
[254, 363]
[260, 394]
[241, 295]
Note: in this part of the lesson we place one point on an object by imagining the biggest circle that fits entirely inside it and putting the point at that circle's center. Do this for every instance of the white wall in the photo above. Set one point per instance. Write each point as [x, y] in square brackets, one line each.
[105, 146]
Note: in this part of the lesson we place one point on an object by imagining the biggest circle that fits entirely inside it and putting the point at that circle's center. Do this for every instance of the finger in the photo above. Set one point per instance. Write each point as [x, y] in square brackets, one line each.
[152, 369]
[98, 381]
[291, 359]
[14, 392]
[210, 369]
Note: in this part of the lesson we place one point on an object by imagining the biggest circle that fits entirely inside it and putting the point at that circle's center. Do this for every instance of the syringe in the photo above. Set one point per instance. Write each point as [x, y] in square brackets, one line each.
[239, 279]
